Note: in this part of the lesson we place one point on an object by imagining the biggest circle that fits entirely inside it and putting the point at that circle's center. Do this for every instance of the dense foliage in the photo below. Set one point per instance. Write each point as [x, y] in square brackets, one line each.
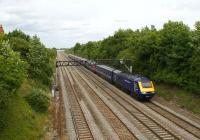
[170, 55]
[23, 58]
[38, 100]
[39, 62]
[12, 72]
[38, 58]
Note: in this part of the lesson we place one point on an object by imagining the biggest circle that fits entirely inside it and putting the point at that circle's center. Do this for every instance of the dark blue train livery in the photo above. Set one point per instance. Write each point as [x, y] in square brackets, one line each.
[105, 71]
[136, 85]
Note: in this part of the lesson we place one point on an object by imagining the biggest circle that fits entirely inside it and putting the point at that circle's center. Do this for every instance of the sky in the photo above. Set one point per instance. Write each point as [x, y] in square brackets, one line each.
[62, 23]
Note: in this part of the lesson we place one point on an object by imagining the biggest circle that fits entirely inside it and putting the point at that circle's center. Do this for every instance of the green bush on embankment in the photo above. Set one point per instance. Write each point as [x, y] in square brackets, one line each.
[38, 100]
[25, 66]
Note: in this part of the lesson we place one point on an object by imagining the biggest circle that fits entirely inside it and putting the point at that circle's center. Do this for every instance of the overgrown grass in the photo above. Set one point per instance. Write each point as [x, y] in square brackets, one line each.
[22, 123]
[184, 99]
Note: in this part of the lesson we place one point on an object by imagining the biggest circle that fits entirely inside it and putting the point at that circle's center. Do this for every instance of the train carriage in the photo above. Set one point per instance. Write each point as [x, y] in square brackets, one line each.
[91, 65]
[105, 71]
[122, 80]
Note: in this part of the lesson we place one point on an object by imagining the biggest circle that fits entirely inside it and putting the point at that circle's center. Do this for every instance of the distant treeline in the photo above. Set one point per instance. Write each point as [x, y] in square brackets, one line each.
[170, 55]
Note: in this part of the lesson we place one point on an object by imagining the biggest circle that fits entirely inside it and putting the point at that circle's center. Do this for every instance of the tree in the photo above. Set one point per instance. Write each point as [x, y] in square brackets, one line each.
[39, 62]
[194, 71]
[19, 34]
[20, 45]
[12, 71]
[76, 48]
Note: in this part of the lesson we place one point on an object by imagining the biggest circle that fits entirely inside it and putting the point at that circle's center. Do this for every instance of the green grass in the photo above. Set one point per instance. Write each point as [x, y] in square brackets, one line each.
[22, 123]
[184, 99]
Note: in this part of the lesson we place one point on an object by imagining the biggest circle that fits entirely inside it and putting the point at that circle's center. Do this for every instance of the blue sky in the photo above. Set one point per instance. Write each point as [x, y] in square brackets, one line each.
[62, 23]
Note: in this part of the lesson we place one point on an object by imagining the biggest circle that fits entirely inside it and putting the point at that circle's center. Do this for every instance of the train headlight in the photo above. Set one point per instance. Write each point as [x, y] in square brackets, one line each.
[144, 92]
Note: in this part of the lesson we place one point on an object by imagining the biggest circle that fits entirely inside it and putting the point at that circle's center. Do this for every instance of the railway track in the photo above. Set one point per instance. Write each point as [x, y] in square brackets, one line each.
[191, 128]
[81, 126]
[147, 124]
[119, 127]
[152, 126]
[159, 124]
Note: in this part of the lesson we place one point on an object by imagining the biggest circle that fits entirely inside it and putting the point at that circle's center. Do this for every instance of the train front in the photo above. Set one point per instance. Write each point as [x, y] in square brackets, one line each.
[147, 90]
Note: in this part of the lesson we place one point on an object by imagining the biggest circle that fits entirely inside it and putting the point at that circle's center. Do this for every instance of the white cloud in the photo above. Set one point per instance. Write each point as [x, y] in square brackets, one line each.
[62, 23]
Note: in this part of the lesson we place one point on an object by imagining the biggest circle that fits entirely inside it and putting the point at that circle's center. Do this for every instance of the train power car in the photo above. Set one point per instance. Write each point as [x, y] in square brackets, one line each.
[136, 85]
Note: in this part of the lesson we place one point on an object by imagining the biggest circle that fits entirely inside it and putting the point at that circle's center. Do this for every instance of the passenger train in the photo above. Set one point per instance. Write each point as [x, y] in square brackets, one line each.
[136, 85]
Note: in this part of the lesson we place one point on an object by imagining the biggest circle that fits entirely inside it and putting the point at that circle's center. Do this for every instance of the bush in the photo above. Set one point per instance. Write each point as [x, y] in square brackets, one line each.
[12, 72]
[3, 119]
[38, 100]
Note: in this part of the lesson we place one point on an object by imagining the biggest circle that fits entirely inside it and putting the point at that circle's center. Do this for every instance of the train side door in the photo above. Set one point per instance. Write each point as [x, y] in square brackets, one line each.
[136, 87]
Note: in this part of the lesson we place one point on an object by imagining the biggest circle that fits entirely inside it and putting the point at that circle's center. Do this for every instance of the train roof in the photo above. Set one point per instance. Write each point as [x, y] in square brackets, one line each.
[106, 67]
[83, 59]
[135, 77]
[91, 62]
[110, 68]
[117, 71]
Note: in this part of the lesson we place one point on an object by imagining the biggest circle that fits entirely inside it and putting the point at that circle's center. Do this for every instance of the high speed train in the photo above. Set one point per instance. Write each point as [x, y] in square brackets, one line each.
[136, 85]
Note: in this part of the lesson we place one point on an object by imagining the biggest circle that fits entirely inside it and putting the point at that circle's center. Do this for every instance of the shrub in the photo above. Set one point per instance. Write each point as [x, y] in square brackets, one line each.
[12, 72]
[38, 100]
[38, 59]
[3, 119]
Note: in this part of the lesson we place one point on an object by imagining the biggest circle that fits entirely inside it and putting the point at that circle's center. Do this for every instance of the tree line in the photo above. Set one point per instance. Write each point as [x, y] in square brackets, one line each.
[169, 55]
[23, 57]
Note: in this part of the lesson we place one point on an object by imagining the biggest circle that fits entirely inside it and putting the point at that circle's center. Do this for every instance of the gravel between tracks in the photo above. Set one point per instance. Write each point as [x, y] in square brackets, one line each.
[109, 112]
[68, 116]
[106, 129]
[80, 123]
